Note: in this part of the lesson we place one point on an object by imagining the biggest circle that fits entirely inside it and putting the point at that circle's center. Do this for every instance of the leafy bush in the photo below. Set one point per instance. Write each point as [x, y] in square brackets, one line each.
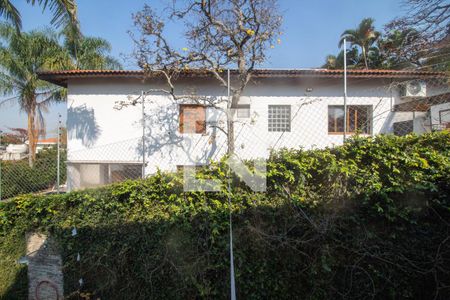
[19, 178]
[365, 220]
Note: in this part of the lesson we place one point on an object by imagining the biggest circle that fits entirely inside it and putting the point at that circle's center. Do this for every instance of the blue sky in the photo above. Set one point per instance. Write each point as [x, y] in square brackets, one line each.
[311, 30]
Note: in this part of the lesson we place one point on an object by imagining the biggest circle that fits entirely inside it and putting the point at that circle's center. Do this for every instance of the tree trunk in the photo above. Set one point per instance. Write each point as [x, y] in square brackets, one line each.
[230, 131]
[232, 106]
[365, 57]
[31, 136]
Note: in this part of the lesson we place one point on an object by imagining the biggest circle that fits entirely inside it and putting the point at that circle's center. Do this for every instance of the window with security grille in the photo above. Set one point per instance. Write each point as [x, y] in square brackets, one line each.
[444, 119]
[359, 119]
[279, 118]
[98, 174]
[403, 128]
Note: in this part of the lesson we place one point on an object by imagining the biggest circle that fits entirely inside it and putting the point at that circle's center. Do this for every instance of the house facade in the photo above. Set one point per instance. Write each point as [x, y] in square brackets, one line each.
[111, 134]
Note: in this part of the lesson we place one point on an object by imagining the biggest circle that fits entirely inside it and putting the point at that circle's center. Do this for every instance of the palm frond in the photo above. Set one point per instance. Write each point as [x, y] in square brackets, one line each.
[6, 30]
[8, 85]
[350, 35]
[330, 62]
[91, 53]
[63, 10]
[24, 55]
[112, 63]
[96, 44]
[7, 101]
[51, 96]
[10, 13]
[12, 57]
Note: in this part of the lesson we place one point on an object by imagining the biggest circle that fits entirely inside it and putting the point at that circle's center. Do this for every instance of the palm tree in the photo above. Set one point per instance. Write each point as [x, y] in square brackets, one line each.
[337, 62]
[23, 55]
[64, 12]
[364, 36]
[27, 53]
[89, 52]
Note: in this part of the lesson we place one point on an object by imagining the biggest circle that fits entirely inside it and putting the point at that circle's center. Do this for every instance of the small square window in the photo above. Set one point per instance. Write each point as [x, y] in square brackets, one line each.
[243, 111]
[279, 118]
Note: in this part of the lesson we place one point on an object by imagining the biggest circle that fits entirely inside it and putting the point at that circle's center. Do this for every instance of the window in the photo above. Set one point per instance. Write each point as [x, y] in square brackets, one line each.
[192, 118]
[359, 119]
[243, 111]
[121, 172]
[403, 128]
[279, 118]
[444, 118]
[98, 174]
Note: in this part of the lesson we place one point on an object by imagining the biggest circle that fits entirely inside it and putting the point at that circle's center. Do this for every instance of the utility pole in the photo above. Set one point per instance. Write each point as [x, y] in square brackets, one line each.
[345, 89]
[143, 134]
[58, 166]
[232, 280]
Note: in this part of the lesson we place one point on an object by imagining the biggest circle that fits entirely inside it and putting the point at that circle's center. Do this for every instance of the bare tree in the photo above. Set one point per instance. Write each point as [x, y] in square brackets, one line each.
[220, 34]
[402, 48]
[429, 23]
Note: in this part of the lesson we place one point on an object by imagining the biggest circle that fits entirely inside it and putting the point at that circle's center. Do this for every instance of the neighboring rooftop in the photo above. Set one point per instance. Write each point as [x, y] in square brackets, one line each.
[48, 141]
[61, 77]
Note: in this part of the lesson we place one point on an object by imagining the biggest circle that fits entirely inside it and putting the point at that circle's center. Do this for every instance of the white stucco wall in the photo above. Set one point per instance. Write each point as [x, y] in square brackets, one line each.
[440, 114]
[97, 132]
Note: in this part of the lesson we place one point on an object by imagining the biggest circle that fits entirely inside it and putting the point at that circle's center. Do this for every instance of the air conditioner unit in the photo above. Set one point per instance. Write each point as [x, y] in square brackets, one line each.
[416, 88]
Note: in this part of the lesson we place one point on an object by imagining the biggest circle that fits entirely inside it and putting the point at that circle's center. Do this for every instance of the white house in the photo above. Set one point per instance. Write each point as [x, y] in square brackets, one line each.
[20, 151]
[45, 143]
[280, 108]
[14, 152]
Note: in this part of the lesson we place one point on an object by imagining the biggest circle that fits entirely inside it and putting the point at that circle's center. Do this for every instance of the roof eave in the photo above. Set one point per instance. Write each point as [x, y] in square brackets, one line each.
[61, 77]
[62, 82]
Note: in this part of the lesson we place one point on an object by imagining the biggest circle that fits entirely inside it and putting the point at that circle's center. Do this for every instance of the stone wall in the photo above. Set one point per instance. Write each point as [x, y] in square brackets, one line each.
[45, 277]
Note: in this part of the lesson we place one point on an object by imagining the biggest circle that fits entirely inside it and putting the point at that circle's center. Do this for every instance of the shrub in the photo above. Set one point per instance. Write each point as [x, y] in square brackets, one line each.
[365, 220]
[19, 178]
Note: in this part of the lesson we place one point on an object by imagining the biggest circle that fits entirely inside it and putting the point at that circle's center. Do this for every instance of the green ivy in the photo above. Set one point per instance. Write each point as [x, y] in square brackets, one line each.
[369, 219]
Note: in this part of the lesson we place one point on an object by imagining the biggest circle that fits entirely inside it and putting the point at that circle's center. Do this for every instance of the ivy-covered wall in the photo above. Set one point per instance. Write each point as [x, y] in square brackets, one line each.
[369, 219]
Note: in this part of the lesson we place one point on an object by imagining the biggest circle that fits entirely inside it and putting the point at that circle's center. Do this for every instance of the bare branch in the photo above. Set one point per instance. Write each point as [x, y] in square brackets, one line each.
[219, 35]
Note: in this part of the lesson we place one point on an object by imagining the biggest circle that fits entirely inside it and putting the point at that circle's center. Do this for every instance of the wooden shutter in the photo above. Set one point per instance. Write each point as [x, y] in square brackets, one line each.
[192, 118]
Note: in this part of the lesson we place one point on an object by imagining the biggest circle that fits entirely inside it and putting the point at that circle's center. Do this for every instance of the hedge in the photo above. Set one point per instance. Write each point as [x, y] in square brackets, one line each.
[369, 219]
[18, 177]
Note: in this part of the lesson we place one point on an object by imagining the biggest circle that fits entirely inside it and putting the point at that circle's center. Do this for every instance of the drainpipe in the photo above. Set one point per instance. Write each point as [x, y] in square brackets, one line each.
[345, 89]
[58, 155]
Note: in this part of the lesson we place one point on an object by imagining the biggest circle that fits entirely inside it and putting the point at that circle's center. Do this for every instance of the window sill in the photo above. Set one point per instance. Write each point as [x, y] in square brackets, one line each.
[349, 133]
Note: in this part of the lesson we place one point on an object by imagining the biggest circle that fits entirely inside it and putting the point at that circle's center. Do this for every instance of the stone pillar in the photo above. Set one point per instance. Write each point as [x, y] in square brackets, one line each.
[45, 277]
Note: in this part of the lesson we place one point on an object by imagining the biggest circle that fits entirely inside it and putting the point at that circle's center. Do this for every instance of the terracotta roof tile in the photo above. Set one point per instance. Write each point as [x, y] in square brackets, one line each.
[61, 77]
[48, 141]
